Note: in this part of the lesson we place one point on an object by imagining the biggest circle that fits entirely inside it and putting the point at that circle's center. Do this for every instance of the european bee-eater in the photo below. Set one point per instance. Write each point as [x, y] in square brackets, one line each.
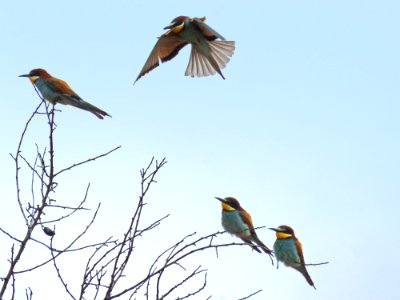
[287, 249]
[56, 90]
[238, 222]
[208, 55]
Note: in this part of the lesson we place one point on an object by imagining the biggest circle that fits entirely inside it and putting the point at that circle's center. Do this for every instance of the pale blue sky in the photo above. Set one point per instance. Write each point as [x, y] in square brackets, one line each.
[304, 131]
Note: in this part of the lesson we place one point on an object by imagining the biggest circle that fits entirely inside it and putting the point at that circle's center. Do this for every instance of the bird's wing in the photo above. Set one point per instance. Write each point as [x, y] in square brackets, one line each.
[246, 218]
[65, 95]
[166, 48]
[299, 250]
[61, 87]
[207, 31]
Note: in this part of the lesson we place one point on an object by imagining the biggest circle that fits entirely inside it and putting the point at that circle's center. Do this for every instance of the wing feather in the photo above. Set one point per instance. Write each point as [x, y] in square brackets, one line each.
[59, 86]
[166, 48]
[246, 218]
[299, 250]
[201, 65]
[222, 51]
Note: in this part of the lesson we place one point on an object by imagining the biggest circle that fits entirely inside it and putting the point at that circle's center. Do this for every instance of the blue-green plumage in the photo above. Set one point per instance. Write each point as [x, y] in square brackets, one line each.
[287, 249]
[286, 252]
[232, 222]
[237, 221]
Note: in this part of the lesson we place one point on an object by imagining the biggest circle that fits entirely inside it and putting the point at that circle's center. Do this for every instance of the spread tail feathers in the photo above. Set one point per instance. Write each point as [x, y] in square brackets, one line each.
[205, 65]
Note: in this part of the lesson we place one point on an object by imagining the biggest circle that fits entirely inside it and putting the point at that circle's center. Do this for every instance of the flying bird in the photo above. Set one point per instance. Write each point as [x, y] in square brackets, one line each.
[56, 90]
[210, 51]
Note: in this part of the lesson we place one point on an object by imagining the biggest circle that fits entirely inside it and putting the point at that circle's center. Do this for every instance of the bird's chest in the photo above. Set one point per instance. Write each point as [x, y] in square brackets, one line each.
[286, 251]
[46, 91]
[193, 36]
[233, 223]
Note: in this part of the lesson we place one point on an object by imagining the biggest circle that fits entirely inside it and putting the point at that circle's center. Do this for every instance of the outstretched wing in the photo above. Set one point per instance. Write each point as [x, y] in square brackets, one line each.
[166, 48]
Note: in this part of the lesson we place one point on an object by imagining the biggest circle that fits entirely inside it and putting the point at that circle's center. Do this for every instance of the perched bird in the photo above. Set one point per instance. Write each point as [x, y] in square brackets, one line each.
[56, 90]
[238, 222]
[48, 231]
[208, 55]
[287, 249]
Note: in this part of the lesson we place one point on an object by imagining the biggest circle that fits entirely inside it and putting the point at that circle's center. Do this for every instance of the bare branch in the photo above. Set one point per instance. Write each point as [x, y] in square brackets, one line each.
[38, 213]
[127, 244]
[17, 166]
[192, 275]
[179, 252]
[58, 271]
[86, 161]
[29, 294]
[10, 235]
[66, 248]
[251, 295]
[317, 264]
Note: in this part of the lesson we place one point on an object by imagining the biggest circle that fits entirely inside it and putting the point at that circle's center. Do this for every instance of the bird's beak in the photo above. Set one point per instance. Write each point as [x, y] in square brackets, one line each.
[169, 26]
[274, 229]
[220, 199]
[24, 75]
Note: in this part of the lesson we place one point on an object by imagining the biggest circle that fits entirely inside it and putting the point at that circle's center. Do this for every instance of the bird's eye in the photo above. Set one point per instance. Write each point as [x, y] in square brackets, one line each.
[178, 26]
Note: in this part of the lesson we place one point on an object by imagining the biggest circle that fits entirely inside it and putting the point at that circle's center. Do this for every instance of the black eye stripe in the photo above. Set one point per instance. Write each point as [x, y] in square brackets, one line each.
[176, 24]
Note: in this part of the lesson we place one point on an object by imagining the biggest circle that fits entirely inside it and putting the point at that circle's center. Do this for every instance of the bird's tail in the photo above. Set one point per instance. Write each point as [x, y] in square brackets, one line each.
[251, 245]
[90, 107]
[302, 269]
[97, 111]
[201, 64]
[263, 247]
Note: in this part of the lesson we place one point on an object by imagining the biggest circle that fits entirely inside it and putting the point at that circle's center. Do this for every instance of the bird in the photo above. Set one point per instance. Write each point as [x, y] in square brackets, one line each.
[48, 231]
[210, 51]
[288, 249]
[238, 222]
[56, 90]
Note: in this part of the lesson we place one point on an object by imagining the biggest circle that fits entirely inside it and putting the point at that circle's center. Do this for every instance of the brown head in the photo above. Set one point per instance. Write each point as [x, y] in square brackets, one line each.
[229, 203]
[284, 231]
[177, 24]
[36, 73]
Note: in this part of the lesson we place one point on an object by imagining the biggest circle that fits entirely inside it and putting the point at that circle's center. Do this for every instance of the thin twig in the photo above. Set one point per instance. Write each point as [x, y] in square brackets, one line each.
[17, 167]
[317, 264]
[251, 295]
[35, 219]
[86, 161]
[66, 248]
[59, 272]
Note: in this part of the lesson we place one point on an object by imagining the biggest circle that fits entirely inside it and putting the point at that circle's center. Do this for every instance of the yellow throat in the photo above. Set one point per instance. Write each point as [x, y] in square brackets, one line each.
[178, 28]
[33, 78]
[282, 235]
[226, 207]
